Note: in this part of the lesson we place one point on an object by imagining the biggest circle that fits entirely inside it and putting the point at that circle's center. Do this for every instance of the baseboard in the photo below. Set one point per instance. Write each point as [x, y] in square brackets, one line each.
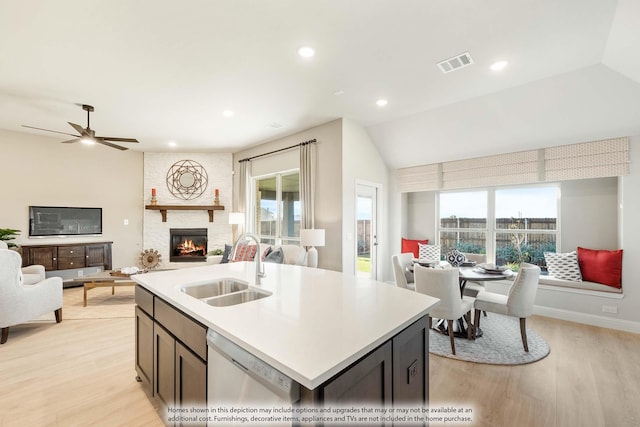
[588, 319]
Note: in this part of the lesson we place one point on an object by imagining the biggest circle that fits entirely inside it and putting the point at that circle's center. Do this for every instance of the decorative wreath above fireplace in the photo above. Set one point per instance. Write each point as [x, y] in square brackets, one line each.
[187, 179]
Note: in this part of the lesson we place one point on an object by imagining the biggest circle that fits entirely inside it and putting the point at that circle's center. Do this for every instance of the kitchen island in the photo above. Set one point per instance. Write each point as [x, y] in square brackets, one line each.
[315, 326]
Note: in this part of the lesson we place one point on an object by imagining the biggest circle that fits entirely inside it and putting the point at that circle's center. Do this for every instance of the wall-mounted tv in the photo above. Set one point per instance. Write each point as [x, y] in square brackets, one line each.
[45, 221]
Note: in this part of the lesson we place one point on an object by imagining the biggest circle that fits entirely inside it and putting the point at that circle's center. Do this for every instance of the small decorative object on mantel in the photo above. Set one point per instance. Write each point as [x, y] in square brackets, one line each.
[187, 179]
[216, 198]
[455, 257]
[154, 201]
[150, 258]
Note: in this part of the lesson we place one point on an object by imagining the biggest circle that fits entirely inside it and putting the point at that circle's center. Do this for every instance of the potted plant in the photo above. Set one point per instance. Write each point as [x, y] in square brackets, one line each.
[7, 234]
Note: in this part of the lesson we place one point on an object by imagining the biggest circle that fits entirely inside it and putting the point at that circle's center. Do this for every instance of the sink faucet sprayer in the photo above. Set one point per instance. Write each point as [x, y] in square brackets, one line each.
[256, 257]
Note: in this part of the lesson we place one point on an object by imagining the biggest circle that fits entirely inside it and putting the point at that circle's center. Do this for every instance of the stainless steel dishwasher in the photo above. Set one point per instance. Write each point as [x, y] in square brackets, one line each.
[237, 378]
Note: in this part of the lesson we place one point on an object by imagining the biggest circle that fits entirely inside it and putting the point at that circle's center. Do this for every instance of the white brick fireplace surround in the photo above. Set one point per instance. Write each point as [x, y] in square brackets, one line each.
[156, 233]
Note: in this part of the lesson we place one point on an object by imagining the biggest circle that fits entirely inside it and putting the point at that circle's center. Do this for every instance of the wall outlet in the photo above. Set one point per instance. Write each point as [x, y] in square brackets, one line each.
[80, 273]
[126, 222]
[609, 309]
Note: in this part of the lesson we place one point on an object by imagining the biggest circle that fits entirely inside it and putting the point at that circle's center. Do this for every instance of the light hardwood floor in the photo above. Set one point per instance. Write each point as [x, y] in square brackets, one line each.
[81, 373]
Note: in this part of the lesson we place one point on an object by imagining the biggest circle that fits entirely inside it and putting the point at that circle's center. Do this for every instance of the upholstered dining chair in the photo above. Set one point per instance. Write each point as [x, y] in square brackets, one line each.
[471, 289]
[517, 303]
[20, 303]
[404, 277]
[442, 283]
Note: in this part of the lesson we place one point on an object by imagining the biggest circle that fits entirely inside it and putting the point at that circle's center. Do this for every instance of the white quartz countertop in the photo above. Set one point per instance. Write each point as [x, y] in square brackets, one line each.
[316, 323]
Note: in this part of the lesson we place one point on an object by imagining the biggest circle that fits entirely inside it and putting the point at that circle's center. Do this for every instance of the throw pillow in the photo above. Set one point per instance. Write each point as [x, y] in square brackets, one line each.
[563, 266]
[266, 252]
[429, 252]
[276, 256]
[409, 245]
[456, 258]
[225, 254]
[245, 252]
[601, 266]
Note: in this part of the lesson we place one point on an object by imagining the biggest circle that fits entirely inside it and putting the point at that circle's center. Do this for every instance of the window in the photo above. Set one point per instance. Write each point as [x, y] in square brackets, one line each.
[277, 208]
[511, 225]
[463, 221]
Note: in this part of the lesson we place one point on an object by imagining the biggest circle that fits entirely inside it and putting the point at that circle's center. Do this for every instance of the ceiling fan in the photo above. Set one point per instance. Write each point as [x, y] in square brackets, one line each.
[88, 135]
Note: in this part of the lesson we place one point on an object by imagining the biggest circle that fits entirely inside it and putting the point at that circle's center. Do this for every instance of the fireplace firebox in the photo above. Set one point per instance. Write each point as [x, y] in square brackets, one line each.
[188, 244]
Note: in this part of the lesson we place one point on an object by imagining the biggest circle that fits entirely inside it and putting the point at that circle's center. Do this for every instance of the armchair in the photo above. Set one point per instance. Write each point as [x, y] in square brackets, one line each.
[31, 274]
[19, 302]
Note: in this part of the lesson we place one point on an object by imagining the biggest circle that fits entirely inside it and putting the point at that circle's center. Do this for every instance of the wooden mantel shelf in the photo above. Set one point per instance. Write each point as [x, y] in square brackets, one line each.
[164, 208]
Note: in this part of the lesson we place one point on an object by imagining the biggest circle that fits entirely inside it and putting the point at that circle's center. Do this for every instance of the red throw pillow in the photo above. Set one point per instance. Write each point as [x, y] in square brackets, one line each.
[245, 252]
[601, 266]
[409, 245]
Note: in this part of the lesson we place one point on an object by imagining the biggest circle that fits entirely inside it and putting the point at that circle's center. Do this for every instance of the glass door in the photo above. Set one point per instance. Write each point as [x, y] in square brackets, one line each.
[366, 231]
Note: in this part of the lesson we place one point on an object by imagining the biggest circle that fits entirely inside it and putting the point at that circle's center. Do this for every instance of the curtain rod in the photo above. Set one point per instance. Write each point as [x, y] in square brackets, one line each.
[311, 141]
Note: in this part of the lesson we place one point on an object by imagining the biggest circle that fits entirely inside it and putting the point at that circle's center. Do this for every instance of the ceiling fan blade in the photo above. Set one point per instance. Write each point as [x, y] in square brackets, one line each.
[82, 131]
[49, 130]
[109, 138]
[108, 144]
[70, 141]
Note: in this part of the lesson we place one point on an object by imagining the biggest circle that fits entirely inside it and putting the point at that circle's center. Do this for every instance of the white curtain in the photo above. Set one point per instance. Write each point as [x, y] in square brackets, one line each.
[307, 185]
[243, 182]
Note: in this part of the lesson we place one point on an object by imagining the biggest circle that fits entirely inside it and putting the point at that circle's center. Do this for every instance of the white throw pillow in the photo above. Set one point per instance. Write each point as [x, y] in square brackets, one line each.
[428, 252]
[563, 266]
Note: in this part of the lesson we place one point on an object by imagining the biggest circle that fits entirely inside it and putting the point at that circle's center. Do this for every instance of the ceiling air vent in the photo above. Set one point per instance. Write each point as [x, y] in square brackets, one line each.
[455, 63]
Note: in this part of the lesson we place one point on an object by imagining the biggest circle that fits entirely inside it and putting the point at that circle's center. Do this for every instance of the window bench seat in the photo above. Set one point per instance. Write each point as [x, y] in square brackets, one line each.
[592, 286]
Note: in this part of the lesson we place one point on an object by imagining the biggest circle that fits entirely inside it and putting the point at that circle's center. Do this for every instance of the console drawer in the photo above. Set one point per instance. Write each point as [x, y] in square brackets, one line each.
[65, 263]
[70, 251]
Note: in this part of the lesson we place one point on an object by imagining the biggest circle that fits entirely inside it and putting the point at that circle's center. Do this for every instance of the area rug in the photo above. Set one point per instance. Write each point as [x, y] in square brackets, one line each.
[500, 344]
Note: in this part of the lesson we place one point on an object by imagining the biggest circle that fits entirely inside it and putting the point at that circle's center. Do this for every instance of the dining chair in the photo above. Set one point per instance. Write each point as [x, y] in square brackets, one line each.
[404, 277]
[443, 283]
[471, 289]
[517, 303]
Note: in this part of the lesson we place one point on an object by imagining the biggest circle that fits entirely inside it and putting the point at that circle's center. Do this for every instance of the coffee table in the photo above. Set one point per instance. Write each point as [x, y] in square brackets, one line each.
[103, 279]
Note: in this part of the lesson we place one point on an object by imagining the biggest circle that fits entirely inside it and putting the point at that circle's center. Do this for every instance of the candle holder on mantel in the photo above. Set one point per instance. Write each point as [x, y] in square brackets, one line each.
[216, 198]
[154, 201]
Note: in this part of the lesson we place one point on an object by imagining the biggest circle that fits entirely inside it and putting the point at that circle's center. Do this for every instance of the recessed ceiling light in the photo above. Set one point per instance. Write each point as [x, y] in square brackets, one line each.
[273, 125]
[381, 102]
[228, 113]
[338, 92]
[306, 52]
[498, 66]
[172, 144]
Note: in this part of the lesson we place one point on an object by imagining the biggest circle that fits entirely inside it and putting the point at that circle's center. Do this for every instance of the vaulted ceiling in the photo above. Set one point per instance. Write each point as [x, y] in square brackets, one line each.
[164, 71]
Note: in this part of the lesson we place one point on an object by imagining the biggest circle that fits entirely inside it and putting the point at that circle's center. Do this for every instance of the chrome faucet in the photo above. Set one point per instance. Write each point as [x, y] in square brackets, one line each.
[256, 257]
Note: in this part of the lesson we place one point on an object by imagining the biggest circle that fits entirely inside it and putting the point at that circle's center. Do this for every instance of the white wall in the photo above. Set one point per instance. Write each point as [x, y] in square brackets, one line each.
[38, 170]
[362, 163]
[328, 201]
[156, 232]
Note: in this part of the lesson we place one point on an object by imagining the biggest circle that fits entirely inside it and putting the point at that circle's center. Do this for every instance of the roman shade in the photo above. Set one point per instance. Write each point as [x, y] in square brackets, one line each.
[595, 159]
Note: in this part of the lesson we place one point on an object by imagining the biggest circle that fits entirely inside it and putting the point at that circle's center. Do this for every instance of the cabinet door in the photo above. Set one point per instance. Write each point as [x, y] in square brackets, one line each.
[46, 255]
[191, 380]
[144, 350]
[164, 366]
[369, 380]
[95, 255]
[411, 365]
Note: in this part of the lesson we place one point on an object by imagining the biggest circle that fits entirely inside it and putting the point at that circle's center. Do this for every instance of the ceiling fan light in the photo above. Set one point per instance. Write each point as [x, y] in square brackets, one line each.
[88, 141]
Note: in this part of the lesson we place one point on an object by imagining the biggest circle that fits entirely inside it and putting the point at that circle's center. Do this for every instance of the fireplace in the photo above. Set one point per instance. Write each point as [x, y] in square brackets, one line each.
[187, 244]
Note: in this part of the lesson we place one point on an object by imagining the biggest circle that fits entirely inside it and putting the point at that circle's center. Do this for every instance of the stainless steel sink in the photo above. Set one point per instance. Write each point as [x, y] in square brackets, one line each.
[215, 289]
[237, 298]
